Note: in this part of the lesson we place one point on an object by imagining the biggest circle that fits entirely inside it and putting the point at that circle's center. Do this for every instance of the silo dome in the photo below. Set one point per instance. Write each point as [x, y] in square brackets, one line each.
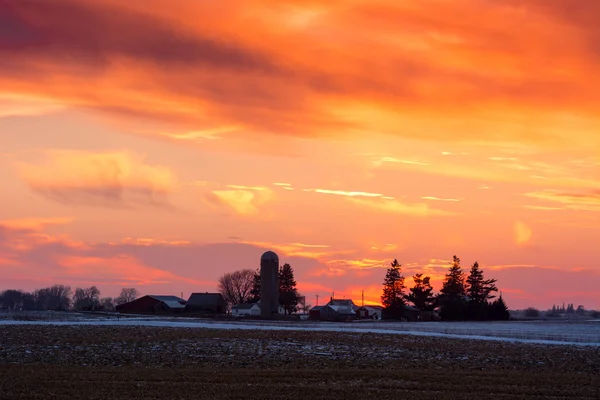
[269, 256]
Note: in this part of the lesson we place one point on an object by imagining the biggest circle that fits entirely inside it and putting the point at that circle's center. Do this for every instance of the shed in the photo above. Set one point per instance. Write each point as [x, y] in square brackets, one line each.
[207, 303]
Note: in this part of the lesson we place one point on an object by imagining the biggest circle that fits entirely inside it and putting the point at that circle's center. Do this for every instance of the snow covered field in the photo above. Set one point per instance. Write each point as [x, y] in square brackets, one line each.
[539, 332]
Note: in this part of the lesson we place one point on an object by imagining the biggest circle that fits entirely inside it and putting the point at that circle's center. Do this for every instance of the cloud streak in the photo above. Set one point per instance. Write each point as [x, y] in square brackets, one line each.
[117, 179]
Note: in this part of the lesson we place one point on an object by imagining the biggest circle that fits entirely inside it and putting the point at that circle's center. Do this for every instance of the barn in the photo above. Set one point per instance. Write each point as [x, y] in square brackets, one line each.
[153, 304]
[206, 303]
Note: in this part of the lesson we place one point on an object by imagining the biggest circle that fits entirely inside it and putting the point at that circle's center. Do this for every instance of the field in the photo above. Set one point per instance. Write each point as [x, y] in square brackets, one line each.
[127, 360]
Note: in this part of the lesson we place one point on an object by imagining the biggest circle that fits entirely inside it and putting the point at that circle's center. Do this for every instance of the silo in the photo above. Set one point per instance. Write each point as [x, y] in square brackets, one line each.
[269, 284]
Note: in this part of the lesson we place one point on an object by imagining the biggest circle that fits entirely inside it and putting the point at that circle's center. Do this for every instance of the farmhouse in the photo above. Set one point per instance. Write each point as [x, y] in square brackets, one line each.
[253, 309]
[206, 303]
[240, 310]
[153, 304]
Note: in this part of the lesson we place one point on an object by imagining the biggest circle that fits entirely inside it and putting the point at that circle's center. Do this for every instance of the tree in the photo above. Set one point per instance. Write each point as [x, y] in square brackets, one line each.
[532, 312]
[28, 301]
[107, 304]
[392, 298]
[580, 310]
[452, 294]
[11, 299]
[303, 305]
[86, 299]
[56, 298]
[127, 295]
[255, 291]
[421, 295]
[478, 290]
[570, 309]
[236, 286]
[288, 294]
[499, 310]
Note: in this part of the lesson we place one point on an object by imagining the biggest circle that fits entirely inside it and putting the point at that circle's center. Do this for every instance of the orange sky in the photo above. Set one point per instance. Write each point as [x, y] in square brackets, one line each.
[160, 145]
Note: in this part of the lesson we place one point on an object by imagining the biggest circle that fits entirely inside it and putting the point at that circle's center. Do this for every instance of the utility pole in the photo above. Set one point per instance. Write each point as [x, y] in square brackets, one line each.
[362, 293]
[317, 299]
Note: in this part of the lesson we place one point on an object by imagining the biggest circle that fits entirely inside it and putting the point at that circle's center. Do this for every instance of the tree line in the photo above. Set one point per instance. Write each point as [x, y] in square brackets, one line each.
[63, 298]
[462, 297]
[243, 287]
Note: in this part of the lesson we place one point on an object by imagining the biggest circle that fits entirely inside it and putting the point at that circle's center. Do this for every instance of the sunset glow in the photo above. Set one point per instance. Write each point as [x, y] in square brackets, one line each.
[161, 144]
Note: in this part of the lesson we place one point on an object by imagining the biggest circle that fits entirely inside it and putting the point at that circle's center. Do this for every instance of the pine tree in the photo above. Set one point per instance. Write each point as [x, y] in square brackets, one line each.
[255, 291]
[421, 295]
[288, 294]
[499, 310]
[392, 298]
[452, 294]
[479, 290]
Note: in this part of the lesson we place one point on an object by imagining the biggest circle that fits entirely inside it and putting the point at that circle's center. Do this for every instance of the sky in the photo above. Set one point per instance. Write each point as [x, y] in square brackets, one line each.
[161, 145]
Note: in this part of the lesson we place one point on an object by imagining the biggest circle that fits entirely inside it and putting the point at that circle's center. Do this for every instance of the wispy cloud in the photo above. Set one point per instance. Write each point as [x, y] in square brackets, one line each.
[585, 201]
[344, 193]
[243, 200]
[439, 199]
[398, 207]
[113, 179]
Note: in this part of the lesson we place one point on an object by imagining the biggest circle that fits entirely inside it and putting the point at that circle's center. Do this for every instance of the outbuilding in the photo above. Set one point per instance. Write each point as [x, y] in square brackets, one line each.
[153, 304]
[206, 303]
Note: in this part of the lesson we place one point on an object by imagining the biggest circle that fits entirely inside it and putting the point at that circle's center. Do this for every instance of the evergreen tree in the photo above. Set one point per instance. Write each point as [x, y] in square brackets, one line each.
[421, 295]
[288, 295]
[452, 294]
[479, 290]
[392, 298]
[499, 310]
[570, 309]
[255, 291]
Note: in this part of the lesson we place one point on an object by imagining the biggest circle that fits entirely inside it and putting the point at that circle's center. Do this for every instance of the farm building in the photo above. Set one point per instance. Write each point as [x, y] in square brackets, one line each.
[240, 310]
[152, 304]
[206, 303]
[335, 310]
[369, 312]
[253, 309]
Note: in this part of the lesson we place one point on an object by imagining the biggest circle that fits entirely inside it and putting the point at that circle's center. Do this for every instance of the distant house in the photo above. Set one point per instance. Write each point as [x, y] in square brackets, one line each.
[335, 310]
[252, 309]
[369, 312]
[206, 303]
[153, 304]
[240, 310]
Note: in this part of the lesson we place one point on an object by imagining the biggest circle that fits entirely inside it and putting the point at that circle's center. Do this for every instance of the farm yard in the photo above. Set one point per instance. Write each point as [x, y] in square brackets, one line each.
[164, 359]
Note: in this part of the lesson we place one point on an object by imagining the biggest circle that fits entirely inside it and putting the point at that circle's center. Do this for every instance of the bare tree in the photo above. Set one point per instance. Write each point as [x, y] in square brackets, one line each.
[107, 304]
[127, 295]
[57, 297]
[86, 299]
[236, 287]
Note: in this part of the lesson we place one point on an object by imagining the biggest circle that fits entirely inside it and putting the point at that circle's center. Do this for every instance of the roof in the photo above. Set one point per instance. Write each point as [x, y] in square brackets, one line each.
[173, 304]
[342, 309]
[164, 299]
[341, 302]
[203, 299]
[269, 256]
[317, 308]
